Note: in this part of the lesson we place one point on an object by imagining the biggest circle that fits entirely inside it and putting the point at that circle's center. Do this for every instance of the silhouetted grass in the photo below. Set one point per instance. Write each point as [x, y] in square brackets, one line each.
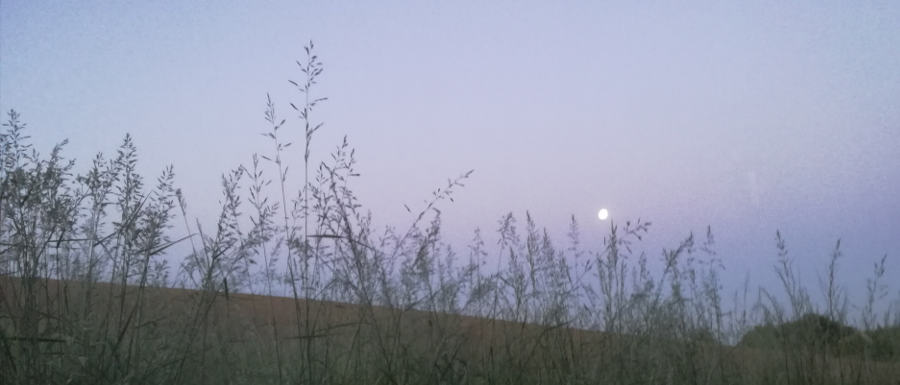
[298, 287]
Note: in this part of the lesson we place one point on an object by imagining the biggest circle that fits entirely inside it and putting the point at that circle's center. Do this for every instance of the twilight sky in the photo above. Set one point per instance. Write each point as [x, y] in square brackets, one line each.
[746, 117]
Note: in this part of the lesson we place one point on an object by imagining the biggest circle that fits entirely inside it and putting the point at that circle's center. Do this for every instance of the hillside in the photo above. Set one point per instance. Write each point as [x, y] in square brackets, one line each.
[208, 334]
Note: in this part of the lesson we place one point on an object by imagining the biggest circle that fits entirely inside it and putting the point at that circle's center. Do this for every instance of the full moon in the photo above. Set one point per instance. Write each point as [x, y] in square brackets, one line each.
[603, 214]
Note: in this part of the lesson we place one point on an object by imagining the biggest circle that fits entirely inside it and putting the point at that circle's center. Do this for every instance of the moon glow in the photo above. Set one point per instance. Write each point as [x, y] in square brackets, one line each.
[603, 214]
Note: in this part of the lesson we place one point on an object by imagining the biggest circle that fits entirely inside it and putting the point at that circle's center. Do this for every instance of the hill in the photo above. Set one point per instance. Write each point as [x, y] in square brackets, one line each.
[198, 336]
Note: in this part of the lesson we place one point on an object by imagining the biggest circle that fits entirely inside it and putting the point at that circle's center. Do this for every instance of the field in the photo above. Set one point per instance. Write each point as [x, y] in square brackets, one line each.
[232, 339]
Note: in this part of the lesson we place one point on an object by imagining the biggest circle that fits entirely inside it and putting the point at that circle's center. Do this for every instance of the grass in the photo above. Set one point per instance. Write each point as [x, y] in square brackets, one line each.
[298, 287]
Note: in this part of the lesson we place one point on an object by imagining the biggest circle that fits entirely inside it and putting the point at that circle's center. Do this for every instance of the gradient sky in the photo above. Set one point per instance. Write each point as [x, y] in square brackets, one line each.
[746, 117]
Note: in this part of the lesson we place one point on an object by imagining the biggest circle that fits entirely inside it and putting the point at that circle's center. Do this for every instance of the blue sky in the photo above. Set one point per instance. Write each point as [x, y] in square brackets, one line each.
[747, 117]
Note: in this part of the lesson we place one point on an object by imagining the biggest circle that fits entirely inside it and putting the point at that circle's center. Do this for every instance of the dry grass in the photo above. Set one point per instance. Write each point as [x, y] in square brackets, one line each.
[87, 294]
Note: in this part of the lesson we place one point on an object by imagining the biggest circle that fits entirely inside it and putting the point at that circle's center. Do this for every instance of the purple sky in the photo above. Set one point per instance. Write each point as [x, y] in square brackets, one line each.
[747, 117]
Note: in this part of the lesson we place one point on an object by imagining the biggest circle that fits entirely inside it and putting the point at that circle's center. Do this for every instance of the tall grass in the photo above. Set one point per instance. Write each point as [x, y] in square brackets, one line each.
[88, 297]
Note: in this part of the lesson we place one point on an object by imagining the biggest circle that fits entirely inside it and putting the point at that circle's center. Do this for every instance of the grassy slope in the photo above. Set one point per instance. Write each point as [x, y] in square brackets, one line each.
[237, 337]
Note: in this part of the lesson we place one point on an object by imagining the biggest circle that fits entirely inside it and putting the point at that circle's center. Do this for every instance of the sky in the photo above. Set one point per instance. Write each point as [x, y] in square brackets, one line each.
[749, 117]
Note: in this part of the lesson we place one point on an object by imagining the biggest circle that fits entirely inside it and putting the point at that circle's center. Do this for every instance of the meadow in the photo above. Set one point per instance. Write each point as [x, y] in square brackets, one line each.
[299, 287]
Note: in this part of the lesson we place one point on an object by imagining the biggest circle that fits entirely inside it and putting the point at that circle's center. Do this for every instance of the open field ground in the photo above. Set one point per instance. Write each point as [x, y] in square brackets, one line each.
[199, 336]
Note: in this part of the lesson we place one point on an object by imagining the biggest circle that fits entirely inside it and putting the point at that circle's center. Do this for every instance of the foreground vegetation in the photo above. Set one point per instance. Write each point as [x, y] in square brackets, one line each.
[88, 288]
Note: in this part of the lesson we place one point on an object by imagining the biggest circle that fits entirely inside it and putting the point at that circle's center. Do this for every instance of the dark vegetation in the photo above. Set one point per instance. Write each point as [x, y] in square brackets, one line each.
[815, 332]
[91, 293]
